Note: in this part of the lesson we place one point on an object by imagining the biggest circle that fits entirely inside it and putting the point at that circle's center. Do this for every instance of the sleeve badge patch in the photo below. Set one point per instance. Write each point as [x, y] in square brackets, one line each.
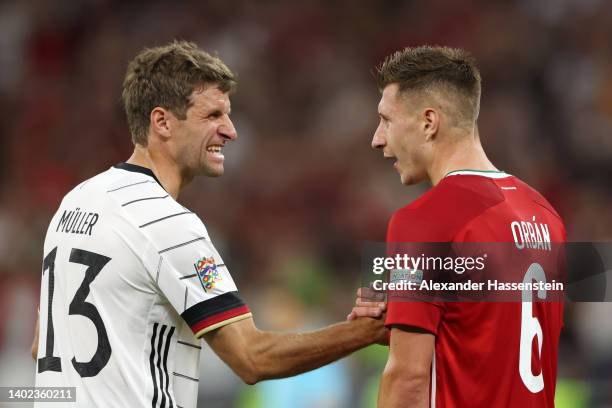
[206, 268]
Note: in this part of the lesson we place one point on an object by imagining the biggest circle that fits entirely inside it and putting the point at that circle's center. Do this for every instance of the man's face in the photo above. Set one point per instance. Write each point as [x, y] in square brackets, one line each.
[197, 141]
[400, 135]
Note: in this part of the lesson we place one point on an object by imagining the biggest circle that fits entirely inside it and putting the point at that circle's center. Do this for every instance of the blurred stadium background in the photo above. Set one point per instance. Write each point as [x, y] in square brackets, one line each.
[303, 190]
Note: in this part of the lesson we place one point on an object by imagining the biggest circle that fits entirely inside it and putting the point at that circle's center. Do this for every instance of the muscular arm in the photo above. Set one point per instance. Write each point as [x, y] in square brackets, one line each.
[405, 381]
[257, 355]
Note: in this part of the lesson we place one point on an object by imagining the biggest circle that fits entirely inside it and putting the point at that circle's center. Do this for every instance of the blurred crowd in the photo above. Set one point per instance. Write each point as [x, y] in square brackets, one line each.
[303, 190]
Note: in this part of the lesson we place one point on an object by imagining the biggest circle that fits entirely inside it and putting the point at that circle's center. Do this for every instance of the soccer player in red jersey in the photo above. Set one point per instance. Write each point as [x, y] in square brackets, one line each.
[462, 354]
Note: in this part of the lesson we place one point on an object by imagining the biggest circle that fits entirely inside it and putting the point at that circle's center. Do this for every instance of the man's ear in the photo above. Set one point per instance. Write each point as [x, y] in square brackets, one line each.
[160, 122]
[431, 123]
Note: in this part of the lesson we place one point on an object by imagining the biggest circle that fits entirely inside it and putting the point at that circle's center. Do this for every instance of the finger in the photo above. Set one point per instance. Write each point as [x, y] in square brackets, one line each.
[366, 303]
[369, 302]
[370, 299]
[369, 293]
[362, 311]
[376, 292]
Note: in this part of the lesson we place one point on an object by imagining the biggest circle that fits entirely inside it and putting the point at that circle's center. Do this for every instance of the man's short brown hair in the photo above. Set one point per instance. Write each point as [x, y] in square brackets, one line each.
[426, 67]
[166, 76]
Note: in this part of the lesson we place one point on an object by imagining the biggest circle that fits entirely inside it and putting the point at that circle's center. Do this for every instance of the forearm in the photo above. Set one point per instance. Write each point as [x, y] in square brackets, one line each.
[396, 391]
[279, 355]
[405, 380]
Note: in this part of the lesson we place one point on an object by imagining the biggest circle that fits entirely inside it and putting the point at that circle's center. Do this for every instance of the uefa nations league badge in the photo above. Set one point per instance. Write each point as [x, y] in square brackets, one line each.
[406, 275]
[208, 275]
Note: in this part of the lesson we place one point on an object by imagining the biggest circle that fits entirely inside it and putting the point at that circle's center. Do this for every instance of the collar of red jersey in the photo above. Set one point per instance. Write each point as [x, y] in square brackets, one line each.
[495, 174]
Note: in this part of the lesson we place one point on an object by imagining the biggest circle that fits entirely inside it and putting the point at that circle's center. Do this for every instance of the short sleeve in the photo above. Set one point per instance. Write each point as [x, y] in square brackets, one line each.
[405, 234]
[191, 274]
[183, 264]
[424, 315]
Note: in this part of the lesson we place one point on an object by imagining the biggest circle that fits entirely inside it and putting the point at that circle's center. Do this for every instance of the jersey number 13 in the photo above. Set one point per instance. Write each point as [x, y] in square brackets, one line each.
[78, 306]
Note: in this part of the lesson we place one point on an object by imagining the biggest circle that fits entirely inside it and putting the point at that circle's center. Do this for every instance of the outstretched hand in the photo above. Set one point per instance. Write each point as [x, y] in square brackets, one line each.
[369, 303]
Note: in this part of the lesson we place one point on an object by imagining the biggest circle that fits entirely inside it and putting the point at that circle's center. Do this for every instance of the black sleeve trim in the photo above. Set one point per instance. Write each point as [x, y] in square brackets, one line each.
[212, 307]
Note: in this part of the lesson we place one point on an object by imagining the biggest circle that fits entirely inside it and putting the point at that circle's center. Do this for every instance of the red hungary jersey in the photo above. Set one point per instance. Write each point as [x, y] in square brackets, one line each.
[487, 354]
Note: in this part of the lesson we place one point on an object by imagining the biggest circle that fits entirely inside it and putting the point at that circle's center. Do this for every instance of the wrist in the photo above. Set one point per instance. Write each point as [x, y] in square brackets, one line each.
[369, 329]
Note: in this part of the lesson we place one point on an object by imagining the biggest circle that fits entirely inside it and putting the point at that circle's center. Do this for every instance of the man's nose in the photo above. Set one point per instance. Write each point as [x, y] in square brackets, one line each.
[228, 130]
[378, 140]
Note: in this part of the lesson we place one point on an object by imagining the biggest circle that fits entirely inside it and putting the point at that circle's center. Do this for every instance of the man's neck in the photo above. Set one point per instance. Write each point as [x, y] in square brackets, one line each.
[460, 153]
[168, 174]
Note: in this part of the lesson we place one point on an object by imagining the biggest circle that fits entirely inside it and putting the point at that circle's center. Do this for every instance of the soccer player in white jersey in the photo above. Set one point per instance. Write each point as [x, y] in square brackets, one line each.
[131, 280]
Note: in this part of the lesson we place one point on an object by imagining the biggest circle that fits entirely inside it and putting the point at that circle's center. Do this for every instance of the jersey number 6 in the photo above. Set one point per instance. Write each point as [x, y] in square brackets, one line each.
[530, 328]
[78, 306]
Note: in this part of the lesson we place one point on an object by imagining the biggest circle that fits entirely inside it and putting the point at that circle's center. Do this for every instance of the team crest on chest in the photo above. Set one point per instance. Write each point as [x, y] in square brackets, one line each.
[208, 273]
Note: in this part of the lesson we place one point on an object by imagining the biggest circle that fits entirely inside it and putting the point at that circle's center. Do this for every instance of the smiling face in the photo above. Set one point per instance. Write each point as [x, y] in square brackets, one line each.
[197, 141]
[402, 135]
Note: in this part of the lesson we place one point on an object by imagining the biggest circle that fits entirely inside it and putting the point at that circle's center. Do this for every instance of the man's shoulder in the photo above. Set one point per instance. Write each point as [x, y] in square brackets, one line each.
[144, 202]
[133, 196]
[442, 211]
[474, 191]
[136, 205]
[112, 187]
[536, 197]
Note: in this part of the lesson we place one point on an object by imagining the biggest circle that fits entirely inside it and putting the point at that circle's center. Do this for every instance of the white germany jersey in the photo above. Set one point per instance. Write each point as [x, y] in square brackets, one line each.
[130, 282]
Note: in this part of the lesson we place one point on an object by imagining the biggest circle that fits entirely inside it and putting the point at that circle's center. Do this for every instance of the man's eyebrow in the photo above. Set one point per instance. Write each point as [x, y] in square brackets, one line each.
[211, 112]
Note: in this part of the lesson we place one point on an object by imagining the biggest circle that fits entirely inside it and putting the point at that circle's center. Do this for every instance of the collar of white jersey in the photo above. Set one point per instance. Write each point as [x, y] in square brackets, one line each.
[138, 169]
[494, 174]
